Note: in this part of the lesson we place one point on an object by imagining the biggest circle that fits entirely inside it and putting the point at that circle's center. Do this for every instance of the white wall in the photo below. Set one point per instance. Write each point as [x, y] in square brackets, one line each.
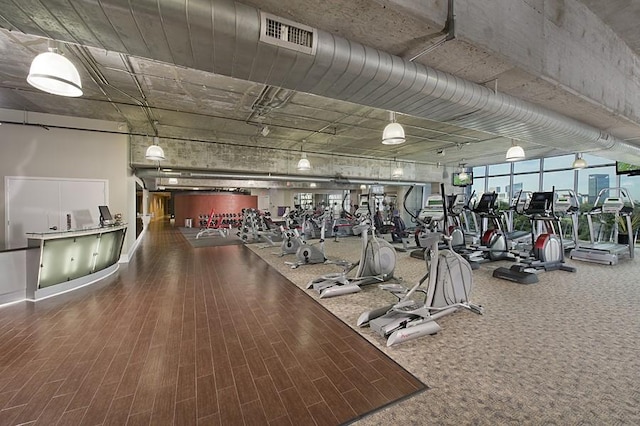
[40, 151]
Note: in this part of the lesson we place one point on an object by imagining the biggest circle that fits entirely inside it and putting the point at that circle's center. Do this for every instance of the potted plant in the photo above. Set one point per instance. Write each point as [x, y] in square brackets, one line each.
[625, 234]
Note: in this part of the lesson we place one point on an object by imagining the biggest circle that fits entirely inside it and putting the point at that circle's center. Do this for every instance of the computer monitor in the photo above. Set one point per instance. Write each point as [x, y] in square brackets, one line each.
[105, 216]
[487, 202]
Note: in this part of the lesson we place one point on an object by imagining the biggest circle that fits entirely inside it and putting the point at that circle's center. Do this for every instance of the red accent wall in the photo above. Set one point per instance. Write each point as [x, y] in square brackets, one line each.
[194, 205]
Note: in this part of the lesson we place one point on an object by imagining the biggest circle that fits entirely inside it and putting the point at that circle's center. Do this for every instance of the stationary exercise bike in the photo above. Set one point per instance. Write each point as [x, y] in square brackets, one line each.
[310, 254]
[450, 282]
[291, 239]
[377, 264]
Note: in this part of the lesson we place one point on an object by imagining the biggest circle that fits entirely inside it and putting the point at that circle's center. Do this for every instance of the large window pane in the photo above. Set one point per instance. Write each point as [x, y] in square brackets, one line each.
[478, 186]
[526, 166]
[560, 180]
[501, 186]
[592, 160]
[479, 171]
[561, 162]
[500, 169]
[632, 185]
[528, 182]
[592, 180]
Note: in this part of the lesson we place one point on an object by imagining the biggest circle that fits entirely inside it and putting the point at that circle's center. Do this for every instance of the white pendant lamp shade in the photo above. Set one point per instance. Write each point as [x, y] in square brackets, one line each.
[393, 134]
[55, 74]
[579, 163]
[515, 153]
[304, 163]
[397, 172]
[155, 152]
[463, 175]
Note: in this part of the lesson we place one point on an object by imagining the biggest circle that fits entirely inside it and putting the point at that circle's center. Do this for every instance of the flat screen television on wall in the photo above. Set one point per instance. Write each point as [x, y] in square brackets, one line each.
[627, 169]
[468, 180]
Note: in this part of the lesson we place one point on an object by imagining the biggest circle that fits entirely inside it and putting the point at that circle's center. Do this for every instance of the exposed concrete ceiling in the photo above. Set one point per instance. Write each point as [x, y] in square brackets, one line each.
[194, 104]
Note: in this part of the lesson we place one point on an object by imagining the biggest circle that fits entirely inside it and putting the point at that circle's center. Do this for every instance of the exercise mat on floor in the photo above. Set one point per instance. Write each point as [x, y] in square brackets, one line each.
[210, 240]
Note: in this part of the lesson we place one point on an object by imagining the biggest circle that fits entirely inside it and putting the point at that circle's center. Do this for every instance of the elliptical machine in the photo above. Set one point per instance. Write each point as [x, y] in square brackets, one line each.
[548, 250]
[449, 286]
[377, 264]
[493, 240]
[430, 219]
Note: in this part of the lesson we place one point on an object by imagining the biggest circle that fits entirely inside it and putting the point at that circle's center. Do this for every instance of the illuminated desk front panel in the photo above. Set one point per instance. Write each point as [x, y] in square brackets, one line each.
[67, 260]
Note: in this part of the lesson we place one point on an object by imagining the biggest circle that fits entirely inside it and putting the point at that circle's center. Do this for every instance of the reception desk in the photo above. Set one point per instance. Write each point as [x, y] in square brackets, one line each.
[71, 259]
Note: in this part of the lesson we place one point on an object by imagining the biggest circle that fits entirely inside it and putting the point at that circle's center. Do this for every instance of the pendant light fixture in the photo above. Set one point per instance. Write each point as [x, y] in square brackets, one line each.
[463, 175]
[515, 152]
[393, 133]
[53, 73]
[398, 172]
[155, 152]
[303, 164]
[579, 162]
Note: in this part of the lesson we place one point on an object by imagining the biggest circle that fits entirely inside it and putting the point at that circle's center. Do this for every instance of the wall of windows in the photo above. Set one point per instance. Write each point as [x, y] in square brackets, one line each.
[507, 179]
[543, 174]
[591, 180]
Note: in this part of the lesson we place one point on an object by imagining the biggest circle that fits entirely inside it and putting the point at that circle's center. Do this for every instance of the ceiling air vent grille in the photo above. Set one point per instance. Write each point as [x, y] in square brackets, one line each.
[284, 33]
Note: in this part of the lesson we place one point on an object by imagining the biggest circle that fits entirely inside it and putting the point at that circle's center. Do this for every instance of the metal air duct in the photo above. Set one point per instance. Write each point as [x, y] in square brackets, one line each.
[224, 37]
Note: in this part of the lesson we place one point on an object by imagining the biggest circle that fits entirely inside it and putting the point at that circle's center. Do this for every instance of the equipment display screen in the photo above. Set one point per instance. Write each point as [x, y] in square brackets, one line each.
[458, 181]
[627, 169]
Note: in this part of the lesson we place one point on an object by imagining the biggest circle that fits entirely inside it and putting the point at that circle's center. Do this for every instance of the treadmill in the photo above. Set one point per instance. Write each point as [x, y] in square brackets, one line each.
[566, 207]
[604, 247]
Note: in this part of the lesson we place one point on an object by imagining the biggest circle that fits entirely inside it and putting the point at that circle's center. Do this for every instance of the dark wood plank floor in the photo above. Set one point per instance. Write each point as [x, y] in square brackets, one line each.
[189, 336]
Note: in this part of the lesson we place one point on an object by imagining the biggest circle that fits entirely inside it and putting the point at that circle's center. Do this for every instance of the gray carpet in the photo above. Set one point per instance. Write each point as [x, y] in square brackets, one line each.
[210, 240]
[563, 351]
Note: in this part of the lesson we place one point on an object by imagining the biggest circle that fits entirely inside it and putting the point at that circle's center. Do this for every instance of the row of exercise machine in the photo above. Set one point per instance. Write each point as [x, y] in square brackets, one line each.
[481, 233]
[452, 237]
[444, 288]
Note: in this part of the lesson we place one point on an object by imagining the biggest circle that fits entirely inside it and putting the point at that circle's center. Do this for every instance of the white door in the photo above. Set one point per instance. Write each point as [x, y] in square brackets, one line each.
[33, 206]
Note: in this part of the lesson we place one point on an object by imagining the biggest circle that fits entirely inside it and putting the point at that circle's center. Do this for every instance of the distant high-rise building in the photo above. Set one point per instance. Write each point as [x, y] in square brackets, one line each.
[517, 187]
[597, 182]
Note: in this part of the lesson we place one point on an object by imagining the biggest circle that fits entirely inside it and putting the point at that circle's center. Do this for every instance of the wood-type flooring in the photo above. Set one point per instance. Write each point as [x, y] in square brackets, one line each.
[189, 336]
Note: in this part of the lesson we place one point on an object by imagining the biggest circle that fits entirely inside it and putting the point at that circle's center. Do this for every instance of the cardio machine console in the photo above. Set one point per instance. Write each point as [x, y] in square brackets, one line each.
[612, 205]
[432, 211]
[541, 203]
[562, 205]
[456, 203]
